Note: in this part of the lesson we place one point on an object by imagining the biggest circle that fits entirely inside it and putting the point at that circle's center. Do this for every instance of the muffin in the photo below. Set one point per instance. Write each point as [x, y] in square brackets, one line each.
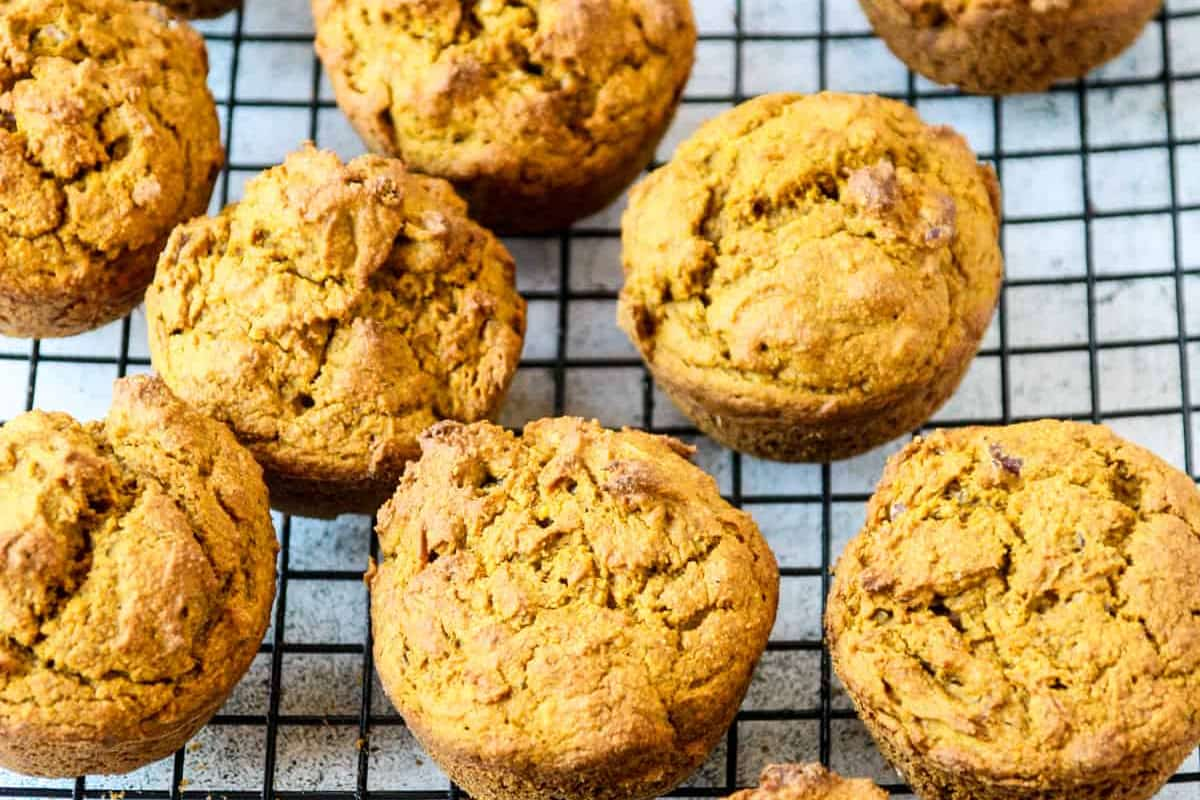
[1007, 46]
[108, 138]
[571, 614]
[808, 782]
[138, 578]
[540, 112]
[1020, 615]
[331, 316]
[810, 276]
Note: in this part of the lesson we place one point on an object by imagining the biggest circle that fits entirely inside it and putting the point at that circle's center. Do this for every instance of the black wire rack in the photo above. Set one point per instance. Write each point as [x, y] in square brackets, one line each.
[1094, 326]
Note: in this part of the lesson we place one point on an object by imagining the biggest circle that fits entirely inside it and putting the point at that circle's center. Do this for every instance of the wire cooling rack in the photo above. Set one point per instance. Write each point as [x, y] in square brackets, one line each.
[1099, 320]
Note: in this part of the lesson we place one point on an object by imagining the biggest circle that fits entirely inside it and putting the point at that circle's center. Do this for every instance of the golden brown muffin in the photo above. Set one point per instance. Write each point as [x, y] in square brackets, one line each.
[108, 138]
[541, 112]
[1020, 615]
[570, 614]
[137, 581]
[330, 317]
[1007, 46]
[810, 275]
[808, 782]
[199, 9]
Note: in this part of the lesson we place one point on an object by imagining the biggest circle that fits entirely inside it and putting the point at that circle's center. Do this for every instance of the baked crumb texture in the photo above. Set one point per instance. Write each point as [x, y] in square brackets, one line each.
[808, 782]
[1007, 46]
[108, 138]
[810, 276]
[332, 315]
[136, 583]
[540, 111]
[573, 613]
[1020, 615]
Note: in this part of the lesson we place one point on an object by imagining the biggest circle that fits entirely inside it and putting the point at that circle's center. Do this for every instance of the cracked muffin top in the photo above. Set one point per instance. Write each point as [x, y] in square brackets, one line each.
[333, 314]
[108, 138]
[808, 782]
[1024, 602]
[537, 103]
[568, 598]
[819, 253]
[138, 570]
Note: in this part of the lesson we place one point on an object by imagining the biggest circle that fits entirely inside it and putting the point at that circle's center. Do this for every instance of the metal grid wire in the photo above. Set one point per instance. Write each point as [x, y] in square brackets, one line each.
[1093, 325]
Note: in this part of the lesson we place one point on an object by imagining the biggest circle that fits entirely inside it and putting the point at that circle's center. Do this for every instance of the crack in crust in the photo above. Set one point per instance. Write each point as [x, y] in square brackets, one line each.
[567, 605]
[108, 138]
[1008, 586]
[138, 573]
[335, 313]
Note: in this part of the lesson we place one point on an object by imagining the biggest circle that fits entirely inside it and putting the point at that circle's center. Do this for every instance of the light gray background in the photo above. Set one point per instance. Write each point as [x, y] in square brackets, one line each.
[1044, 331]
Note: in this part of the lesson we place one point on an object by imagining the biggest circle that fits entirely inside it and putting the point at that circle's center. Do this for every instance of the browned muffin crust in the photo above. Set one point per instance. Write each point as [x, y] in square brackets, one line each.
[808, 782]
[810, 276]
[137, 581]
[570, 614]
[1020, 615]
[1007, 46]
[332, 315]
[540, 111]
[108, 138]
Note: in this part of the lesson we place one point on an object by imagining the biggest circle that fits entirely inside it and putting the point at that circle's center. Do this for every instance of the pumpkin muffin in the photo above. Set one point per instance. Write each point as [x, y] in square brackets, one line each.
[1007, 46]
[810, 276]
[808, 782]
[108, 138]
[138, 578]
[570, 614]
[330, 317]
[1020, 615]
[539, 112]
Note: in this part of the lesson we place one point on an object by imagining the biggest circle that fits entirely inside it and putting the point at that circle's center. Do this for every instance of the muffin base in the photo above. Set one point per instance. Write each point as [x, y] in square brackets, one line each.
[201, 9]
[524, 208]
[1140, 781]
[48, 753]
[326, 499]
[1009, 51]
[109, 293]
[629, 778]
[787, 436]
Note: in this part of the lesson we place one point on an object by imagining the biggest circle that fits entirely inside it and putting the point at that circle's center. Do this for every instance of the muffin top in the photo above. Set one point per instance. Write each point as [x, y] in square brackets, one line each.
[532, 91]
[570, 596]
[108, 134]
[139, 569]
[1025, 601]
[808, 782]
[823, 252]
[334, 313]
